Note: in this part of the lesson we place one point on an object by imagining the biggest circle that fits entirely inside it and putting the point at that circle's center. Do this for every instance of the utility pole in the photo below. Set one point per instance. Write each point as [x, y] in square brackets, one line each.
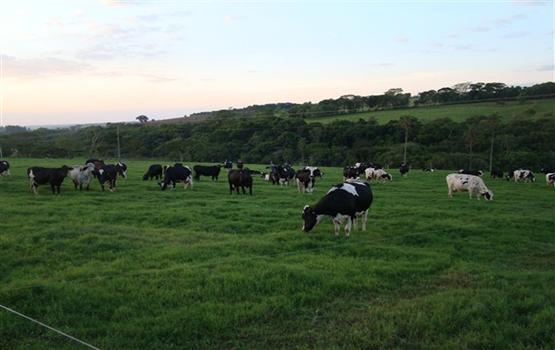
[119, 151]
[405, 148]
[1, 155]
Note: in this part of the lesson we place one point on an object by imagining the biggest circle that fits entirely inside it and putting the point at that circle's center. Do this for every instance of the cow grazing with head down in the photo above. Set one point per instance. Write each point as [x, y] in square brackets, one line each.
[377, 174]
[347, 201]
[428, 170]
[109, 174]
[496, 174]
[203, 170]
[4, 168]
[155, 171]
[239, 178]
[175, 174]
[42, 176]
[473, 184]
[82, 175]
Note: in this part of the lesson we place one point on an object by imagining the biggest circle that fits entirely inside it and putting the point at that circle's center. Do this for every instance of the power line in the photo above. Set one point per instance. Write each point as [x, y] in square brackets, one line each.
[49, 327]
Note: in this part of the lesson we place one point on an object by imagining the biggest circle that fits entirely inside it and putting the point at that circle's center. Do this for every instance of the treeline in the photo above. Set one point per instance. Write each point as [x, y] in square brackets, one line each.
[393, 98]
[441, 143]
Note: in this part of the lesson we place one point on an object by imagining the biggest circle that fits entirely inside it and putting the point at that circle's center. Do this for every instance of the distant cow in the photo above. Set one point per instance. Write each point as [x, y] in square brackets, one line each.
[550, 179]
[239, 178]
[471, 183]
[496, 174]
[82, 175]
[547, 170]
[4, 168]
[305, 181]
[471, 172]
[314, 171]
[404, 169]
[228, 164]
[281, 174]
[203, 170]
[347, 201]
[377, 174]
[428, 170]
[350, 172]
[42, 176]
[98, 164]
[155, 171]
[109, 174]
[524, 175]
[175, 174]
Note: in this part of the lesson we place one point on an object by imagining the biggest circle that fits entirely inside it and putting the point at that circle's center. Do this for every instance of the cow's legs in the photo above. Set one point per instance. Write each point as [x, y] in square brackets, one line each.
[243, 188]
[230, 189]
[364, 220]
[34, 188]
[53, 188]
[336, 226]
[348, 226]
[250, 190]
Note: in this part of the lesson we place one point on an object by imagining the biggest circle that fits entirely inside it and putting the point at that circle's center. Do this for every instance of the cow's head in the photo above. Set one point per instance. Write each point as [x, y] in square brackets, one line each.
[122, 169]
[309, 218]
[163, 185]
[488, 195]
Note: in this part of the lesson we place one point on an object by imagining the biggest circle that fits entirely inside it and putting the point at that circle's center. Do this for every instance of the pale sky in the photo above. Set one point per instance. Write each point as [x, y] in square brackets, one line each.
[97, 61]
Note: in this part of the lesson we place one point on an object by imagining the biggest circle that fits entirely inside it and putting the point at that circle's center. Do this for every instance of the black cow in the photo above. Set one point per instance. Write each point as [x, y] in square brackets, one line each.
[404, 169]
[547, 170]
[228, 164]
[98, 164]
[239, 178]
[496, 174]
[350, 172]
[203, 170]
[155, 171]
[4, 168]
[177, 173]
[109, 174]
[41, 176]
[281, 174]
[471, 172]
[305, 180]
[349, 200]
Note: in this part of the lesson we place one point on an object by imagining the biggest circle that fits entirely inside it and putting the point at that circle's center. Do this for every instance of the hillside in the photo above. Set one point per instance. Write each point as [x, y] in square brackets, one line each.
[456, 112]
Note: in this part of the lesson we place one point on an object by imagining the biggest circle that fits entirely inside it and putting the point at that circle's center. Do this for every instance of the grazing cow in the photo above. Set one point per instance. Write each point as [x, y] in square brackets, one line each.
[524, 175]
[203, 170]
[239, 178]
[82, 175]
[155, 171]
[496, 174]
[305, 181]
[41, 176]
[377, 174]
[510, 175]
[281, 174]
[471, 172]
[404, 169]
[471, 183]
[228, 164]
[428, 170]
[550, 179]
[177, 173]
[109, 174]
[4, 168]
[349, 200]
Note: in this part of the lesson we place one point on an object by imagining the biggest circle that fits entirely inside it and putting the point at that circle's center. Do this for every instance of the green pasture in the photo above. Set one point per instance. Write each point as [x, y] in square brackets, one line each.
[457, 112]
[197, 269]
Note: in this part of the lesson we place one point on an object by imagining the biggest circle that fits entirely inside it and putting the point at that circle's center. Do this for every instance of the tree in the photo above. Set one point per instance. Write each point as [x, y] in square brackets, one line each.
[142, 119]
[406, 122]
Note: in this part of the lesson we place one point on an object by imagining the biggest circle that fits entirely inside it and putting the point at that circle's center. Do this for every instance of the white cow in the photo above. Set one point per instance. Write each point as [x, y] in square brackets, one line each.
[524, 175]
[471, 183]
[550, 179]
[377, 174]
[82, 175]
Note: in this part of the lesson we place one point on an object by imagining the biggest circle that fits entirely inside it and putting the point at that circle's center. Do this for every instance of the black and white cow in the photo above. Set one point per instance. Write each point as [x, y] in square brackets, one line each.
[471, 172]
[239, 178]
[473, 184]
[82, 175]
[496, 174]
[204, 170]
[281, 174]
[4, 168]
[155, 171]
[314, 171]
[428, 170]
[524, 175]
[550, 179]
[98, 164]
[109, 174]
[42, 176]
[350, 172]
[305, 181]
[404, 169]
[347, 201]
[228, 164]
[175, 174]
[377, 174]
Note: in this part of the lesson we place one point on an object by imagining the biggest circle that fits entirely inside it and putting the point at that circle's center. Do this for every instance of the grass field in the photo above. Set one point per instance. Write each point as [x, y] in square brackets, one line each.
[146, 269]
[459, 112]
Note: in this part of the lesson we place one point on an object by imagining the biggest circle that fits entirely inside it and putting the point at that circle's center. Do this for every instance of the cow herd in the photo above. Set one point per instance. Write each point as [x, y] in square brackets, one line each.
[347, 202]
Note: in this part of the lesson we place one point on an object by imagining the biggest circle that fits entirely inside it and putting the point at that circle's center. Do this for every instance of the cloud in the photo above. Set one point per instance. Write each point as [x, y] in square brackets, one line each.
[532, 2]
[119, 49]
[401, 39]
[479, 29]
[509, 19]
[41, 67]
[515, 35]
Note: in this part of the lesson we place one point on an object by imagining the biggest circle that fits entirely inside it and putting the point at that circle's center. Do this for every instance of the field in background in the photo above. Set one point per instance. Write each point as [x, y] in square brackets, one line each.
[459, 112]
[142, 268]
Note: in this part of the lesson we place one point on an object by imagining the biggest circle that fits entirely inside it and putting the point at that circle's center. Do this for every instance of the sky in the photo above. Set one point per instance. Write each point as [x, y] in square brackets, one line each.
[67, 62]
